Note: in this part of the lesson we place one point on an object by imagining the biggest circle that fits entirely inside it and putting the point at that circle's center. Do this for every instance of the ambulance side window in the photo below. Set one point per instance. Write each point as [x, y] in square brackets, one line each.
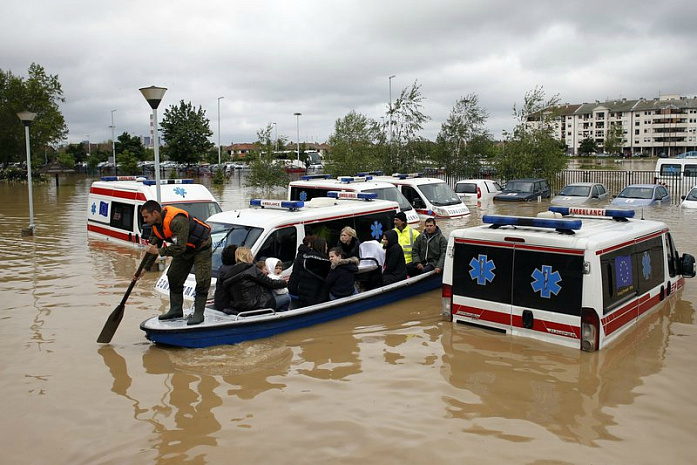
[372, 227]
[672, 255]
[620, 276]
[328, 230]
[650, 264]
[281, 244]
[122, 216]
[307, 193]
[413, 197]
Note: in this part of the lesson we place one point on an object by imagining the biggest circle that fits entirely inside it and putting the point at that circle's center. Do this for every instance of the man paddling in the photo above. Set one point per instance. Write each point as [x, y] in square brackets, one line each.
[188, 241]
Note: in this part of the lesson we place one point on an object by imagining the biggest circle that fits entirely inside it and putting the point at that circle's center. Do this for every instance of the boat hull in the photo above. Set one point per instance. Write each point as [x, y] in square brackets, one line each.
[219, 328]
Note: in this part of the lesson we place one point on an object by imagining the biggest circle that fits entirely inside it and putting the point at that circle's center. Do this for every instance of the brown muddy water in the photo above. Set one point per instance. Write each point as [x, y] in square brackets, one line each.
[393, 385]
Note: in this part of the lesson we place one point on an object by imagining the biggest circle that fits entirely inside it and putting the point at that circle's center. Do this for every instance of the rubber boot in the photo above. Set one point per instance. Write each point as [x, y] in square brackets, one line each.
[176, 304]
[199, 308]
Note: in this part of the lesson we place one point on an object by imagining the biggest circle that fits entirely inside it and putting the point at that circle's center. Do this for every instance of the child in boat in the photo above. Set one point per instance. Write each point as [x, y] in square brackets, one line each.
[341, 277]
[275, 268]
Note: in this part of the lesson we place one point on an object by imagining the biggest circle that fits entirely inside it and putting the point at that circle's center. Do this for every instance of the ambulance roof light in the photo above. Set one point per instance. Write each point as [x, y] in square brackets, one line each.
[406, 175]
[561, 225]
[350, 179]
[352, 195]
[123, 178]
[310, 177]
[152, 182]
[370, 173]
[615, 214]
[290, 205]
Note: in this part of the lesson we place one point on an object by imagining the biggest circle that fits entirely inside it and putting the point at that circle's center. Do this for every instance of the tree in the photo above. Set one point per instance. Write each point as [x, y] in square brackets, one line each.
[128, 163]
[463, 138]
[265, 173]
[353, 145]
[40, 93]
[614, 141]
[77, 152]
[405, 120]
[186, 132]
[587, 146]
[532, 149]
[132, 144]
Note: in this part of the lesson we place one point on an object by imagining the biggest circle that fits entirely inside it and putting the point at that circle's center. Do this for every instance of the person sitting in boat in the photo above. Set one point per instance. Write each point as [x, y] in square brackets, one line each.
[395, 268]
[275, 267]
[429, 250]
[221, 299]
[308, 279]
[249, 287]
[349, 243]
[341, 277]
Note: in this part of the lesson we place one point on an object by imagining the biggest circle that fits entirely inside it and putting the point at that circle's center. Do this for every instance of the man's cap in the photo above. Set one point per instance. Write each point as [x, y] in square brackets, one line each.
[402, 216]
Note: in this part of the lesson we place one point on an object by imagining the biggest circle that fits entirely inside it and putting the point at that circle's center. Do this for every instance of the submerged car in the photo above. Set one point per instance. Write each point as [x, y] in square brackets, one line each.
[642, 195]
[581, 193]
[690, 200]
[524, 190]
[474, 190]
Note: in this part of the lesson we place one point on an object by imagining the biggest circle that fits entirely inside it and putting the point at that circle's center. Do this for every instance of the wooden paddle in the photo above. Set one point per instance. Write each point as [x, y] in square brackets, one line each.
[112, 323]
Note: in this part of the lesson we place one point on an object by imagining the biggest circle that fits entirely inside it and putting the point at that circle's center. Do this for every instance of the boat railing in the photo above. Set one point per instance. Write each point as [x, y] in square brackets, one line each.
[257, 312]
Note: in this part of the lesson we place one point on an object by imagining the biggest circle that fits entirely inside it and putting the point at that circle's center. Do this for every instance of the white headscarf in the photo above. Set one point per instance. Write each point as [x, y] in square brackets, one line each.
[271, 263]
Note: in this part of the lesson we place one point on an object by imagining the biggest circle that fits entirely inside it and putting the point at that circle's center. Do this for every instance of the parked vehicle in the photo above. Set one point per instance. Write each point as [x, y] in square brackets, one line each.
[477, 190]
[524, 190]
[575, 281]
[642, 195]
[581, 193]
[690, 200]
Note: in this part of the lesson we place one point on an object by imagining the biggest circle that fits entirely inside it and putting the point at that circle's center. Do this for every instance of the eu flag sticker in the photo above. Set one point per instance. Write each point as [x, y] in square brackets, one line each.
[103, 208]
[623, 271]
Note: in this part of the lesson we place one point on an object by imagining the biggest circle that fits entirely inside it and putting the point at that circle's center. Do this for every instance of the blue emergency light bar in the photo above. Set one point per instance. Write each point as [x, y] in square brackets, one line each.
[370, 173]
[350, 179]
[560, 225]
[352, 195]
[406, 175]
[152, 182]
[123, 178]
[310, 177]
[615, 214]
[291, 205]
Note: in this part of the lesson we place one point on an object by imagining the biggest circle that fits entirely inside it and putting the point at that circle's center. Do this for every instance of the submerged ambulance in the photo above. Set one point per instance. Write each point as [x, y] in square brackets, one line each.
[578, 277]
[113, 205]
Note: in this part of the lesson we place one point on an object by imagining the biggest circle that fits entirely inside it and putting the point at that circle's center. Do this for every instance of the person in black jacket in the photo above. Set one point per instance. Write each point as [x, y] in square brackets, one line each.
[349, 243]
[308, 279]
[395, 267]
[341, 277]
[249, 286]
[222, 296]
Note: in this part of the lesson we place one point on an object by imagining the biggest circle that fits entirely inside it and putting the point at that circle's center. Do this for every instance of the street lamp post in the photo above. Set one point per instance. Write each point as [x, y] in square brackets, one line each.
[154, 96]
[113, 141]
[275, 126]
[27, 117]
[297, 140]
[89, 146]
[219, 131]
[390, 121]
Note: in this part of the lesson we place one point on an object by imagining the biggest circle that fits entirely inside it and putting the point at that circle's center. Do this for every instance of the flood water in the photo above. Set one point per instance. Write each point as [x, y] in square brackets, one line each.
[392, 385]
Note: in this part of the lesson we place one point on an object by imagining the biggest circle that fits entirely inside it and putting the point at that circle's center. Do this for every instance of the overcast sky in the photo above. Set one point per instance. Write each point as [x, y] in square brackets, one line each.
[270, 59]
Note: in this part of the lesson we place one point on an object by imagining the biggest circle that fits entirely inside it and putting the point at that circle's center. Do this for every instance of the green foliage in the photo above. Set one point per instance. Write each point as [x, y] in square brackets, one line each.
[128, 163]
[67, 159]
[219, 176]
[99, 155]
[40, 93]
[532, 150]
[132, 144]
[265, 173]
[76, 151]
[406, 120]
[353, 145]
[186, 132]
[588, 146]
[614, 141]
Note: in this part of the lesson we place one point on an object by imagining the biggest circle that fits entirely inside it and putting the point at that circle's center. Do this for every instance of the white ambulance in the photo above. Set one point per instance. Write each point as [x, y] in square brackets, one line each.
[578, 277]
[310, 186]
[113, 205]
[431, 197]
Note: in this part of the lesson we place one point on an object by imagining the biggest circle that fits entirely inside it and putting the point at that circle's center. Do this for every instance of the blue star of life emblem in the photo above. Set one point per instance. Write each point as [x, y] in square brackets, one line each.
[180, 191]
[546, 282]
[646, 265]
[303, 196]
[376, 230]
[482, 269]
[94, 208]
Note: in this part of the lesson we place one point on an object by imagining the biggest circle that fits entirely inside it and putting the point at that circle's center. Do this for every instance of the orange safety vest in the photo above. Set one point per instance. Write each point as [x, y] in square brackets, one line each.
[199, 231]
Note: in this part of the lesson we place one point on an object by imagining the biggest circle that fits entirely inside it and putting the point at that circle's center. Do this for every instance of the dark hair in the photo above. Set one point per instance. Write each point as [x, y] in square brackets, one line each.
[338, 251]
[151, 206]
[261, 264]
[430, 220]
[309, 239]
[228, 254]
[319, 245]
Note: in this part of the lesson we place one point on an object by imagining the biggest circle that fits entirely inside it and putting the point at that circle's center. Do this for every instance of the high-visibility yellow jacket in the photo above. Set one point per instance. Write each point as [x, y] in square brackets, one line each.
[406, 237]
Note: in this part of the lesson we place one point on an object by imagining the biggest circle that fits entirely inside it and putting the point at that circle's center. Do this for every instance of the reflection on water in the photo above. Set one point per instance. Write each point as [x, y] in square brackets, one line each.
[390, 385]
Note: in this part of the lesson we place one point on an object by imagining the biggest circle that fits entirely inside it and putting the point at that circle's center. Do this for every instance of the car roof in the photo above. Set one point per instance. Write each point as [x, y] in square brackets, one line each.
[528, 179]
[642, 185]
[583, 184]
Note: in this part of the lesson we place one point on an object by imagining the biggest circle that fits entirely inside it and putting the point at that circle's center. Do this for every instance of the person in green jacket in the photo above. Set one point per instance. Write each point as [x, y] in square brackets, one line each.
[429, 249]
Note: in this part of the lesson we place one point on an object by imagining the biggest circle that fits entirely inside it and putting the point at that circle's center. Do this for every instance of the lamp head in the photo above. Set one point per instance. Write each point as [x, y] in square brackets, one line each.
[153, 95]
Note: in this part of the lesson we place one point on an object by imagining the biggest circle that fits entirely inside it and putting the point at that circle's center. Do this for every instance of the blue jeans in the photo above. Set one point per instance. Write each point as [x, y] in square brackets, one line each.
[282, 302]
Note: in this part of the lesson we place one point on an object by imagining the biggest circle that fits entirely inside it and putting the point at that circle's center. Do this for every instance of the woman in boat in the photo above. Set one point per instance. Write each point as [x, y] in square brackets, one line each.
[310, 269]
[341, 277]
[249, 288]
[395, 267]
[349, 243]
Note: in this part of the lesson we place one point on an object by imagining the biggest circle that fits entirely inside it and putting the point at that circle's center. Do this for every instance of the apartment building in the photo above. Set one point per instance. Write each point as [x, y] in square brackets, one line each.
[665, 126]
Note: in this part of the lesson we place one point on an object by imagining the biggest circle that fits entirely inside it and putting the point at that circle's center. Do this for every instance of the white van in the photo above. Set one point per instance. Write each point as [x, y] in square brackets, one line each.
[310, 186]
[113, 205]
[431, 197]
[677, 174]
[578, 277]
[276, 228]
[477, 190]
